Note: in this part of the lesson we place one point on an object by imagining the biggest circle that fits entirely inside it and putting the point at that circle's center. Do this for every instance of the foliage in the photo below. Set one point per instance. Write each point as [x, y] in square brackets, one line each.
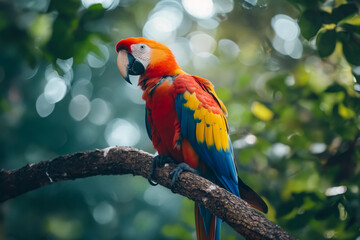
[293, 104]
[338, 25]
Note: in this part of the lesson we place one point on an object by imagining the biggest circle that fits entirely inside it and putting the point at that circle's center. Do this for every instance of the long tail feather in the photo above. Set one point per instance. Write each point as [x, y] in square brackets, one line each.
[211, 232]
[251, 197]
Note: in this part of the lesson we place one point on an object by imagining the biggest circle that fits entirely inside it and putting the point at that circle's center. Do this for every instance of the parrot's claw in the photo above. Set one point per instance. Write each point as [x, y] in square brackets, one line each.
[175, 173]
[159, 161]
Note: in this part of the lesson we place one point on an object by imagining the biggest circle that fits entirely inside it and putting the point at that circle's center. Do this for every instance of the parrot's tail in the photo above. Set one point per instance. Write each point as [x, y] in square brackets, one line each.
[251, 197]
[207, 225]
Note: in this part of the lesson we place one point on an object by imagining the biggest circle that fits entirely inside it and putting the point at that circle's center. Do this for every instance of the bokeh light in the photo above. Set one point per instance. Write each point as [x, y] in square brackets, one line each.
[205, 61]
[100, 112]
[279, 150]
[104, 213]
[223, 6]
[286, 39]
[332, 191]
[67, 75]
[209, 23]
[120, 132]
[244, 142]
[79, 107]
[96, 61]
[107, 4]
[202, 42]
[228, 50]
[285, 27]
[317, 148]
[182, 50]
[43, 107]
[55, 90]
[200, 8]
[163, 21]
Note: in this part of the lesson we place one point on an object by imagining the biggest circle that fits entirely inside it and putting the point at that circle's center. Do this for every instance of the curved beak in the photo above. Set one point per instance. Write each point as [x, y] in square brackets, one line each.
[128, 65]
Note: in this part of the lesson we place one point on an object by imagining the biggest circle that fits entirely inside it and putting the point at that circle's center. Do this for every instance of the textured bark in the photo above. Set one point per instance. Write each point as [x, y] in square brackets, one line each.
[124, 160]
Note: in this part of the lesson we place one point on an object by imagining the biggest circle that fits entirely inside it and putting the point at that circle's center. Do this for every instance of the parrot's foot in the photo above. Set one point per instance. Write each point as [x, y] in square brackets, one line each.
[159, 161]
[175, 173]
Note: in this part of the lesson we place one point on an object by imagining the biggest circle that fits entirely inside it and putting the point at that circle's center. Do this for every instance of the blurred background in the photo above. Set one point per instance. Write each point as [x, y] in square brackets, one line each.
[287, 70]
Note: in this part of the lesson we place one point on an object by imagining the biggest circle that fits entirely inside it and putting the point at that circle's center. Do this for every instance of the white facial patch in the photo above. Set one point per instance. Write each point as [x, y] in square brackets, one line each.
[142, 53]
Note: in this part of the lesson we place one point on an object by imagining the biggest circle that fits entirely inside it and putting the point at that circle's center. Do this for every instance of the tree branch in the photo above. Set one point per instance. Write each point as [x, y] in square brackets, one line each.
[124, 160]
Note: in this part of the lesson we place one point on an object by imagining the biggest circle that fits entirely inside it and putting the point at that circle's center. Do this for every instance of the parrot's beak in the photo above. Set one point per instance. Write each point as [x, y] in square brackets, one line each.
[128, 65]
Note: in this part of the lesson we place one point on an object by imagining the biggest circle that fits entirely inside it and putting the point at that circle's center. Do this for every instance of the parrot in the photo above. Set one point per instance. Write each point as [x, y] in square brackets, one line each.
[186, 122]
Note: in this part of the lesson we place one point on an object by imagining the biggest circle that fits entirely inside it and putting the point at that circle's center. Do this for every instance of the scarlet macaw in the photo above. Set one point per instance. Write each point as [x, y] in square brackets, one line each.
[186, 121]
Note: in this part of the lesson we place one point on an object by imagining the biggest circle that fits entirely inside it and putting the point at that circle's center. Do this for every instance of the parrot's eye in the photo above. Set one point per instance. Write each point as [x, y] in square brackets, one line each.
[142, 53]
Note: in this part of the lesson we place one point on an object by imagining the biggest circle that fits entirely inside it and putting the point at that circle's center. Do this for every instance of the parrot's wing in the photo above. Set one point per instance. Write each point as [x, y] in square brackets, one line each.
[202, 118]
[201, 115]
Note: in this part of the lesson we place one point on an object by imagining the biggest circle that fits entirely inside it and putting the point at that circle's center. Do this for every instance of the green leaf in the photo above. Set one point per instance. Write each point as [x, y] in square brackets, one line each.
[350, 27]
[300, 220]
[343, 11]
[326, 42]
[326, 18]
[310, 22]
[289, 206]
[307, 3]
[61, 43]
[351, 47]
[94, 12]
[65, 7]
[334, 88]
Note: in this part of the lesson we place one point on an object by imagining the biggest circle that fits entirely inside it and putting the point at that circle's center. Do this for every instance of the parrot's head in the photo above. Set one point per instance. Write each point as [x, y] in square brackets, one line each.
[145, 57]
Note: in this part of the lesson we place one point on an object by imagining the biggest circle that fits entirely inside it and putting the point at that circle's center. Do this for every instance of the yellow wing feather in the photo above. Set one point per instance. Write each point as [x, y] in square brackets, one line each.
[200, 131]
[211, 128]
